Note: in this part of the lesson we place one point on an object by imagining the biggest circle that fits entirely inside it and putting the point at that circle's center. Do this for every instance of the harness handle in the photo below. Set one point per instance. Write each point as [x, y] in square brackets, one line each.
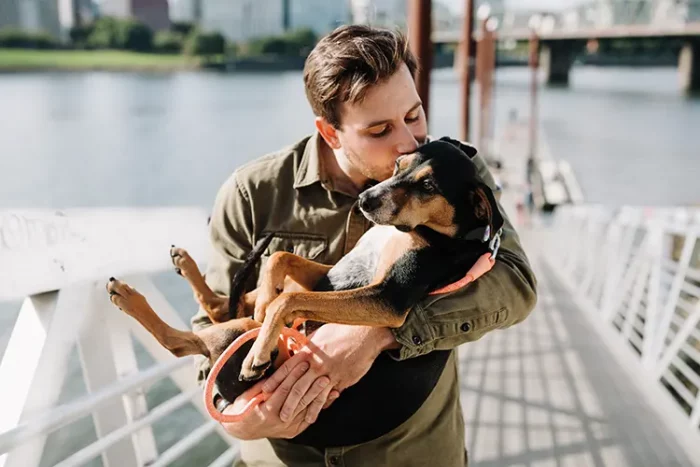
[290, 341]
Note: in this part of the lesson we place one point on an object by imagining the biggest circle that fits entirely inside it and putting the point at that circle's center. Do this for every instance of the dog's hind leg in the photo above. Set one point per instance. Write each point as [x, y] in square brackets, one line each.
[215, 305]
[179, 343]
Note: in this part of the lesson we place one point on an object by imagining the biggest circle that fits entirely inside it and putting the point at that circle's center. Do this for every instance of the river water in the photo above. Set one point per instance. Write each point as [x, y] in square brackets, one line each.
[113, 139]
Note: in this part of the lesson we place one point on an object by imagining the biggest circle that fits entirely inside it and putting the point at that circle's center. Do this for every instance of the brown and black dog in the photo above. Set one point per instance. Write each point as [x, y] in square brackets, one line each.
[434, 218]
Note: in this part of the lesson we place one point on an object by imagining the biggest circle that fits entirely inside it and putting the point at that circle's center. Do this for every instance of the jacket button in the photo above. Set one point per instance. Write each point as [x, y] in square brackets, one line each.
[334, 460]
[466, 327]
[417, 340]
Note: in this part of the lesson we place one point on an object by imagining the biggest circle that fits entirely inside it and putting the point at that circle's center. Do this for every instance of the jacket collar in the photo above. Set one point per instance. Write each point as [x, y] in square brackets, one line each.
[310, 167]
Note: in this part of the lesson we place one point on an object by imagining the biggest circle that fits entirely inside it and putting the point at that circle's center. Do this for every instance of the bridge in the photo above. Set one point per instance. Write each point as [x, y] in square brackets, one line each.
[564, 36]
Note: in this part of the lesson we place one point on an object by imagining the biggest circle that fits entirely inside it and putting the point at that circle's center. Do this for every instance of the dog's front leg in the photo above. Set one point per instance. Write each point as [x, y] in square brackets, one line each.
[364, 306]
[281, 267]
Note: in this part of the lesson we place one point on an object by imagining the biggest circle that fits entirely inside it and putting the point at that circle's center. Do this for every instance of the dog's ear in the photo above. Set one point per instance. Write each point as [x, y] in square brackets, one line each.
[467, 149]
[486, 207]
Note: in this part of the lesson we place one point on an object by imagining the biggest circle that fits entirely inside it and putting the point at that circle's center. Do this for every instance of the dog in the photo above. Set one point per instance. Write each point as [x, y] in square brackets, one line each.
[433, 219]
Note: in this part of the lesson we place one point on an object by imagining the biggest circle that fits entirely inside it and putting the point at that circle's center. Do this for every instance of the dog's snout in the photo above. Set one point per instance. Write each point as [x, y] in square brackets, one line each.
[370, 203]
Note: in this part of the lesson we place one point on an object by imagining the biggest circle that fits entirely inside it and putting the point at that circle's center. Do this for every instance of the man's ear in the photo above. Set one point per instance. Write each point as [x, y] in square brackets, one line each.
[486, 207]
[328, 132]
[467, 149]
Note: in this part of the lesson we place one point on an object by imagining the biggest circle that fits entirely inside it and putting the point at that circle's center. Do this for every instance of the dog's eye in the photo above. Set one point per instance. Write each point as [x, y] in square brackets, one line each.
[427, 185]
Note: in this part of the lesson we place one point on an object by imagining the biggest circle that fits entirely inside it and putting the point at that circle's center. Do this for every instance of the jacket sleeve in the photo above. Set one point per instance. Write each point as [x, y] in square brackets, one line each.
[230, 234]
[502, 297]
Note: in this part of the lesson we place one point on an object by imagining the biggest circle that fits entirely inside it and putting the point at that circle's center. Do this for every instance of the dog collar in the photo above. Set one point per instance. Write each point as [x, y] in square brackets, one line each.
[481, 267]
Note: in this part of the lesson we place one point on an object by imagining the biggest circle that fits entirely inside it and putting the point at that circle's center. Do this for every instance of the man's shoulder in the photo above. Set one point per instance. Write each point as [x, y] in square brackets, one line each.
[277, 167]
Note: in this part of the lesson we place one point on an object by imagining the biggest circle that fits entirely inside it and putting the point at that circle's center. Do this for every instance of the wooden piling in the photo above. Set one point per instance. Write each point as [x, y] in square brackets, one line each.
[421, 44]
[464, 58]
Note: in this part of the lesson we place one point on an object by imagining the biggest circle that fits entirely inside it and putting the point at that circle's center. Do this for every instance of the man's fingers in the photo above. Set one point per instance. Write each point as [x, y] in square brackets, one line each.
[317, 389]
[317, 405]
[281, 373]
[274, 403]
[331, 397]
[299, 391]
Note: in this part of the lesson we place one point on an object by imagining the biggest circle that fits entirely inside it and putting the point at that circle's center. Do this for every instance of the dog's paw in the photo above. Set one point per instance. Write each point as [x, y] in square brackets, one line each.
[253, 369]
[183, 262]
[125, 297]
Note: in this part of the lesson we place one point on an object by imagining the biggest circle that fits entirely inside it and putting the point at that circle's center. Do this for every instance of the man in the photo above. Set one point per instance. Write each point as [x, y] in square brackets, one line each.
[361, 395]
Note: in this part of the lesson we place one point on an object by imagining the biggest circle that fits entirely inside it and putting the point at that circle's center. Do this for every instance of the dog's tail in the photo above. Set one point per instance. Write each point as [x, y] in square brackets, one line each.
[239, 280]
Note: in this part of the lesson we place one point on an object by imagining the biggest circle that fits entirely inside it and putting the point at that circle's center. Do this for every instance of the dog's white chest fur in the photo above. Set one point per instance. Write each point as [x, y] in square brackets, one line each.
[357, 268]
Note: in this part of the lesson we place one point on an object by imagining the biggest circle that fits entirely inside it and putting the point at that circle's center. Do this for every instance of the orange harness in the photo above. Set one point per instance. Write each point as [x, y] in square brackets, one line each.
[291, 340]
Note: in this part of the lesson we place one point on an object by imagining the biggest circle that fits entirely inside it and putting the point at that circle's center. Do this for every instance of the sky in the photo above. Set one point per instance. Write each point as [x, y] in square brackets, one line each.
[458, 5]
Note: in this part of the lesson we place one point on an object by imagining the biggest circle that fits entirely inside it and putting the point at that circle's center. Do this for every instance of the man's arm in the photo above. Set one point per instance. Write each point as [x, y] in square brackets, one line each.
[502, 297]
[230, 235]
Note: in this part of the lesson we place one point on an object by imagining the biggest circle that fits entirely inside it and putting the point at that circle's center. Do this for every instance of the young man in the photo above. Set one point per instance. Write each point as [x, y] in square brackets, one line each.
[364, 396]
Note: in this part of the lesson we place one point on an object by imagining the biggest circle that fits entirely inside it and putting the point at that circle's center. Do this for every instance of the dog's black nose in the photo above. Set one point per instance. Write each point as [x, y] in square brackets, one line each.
[370, 203]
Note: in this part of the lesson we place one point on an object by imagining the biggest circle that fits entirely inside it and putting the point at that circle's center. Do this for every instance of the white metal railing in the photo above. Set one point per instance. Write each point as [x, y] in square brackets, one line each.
[58, 263]
[637, 273]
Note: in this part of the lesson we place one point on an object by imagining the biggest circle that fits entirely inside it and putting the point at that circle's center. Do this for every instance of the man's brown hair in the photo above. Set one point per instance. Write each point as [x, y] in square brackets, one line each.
[350, 60]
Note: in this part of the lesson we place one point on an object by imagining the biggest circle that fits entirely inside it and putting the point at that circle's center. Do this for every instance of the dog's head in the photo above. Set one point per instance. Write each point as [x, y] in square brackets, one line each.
[437, 187]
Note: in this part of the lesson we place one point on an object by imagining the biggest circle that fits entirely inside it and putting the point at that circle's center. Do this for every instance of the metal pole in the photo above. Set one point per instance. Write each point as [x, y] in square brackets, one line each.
[534, 65]
[482, 77]
[465, 59]
[420, 40]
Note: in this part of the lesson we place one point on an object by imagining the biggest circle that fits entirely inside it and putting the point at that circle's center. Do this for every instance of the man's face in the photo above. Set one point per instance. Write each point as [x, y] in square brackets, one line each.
[387, 123]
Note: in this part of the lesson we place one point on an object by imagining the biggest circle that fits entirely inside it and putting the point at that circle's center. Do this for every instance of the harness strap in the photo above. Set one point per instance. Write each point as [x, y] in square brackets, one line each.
[290, 341]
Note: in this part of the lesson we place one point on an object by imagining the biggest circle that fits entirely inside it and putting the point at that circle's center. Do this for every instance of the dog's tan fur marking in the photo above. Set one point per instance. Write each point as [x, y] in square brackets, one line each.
[216, 306]
[482, 209]
[424, 172]
[436, 213]
[180, 343]
[406, 161]
[399, 244]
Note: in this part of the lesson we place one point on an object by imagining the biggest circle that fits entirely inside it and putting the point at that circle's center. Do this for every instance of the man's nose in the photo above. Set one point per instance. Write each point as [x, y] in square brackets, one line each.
[406, 142]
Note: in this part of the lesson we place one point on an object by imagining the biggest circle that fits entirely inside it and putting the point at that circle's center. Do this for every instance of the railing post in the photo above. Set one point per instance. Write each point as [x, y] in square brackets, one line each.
[33, 367]
[485, 63]
[465, 53]
[99, 362]
[534, 62]
[420, 40]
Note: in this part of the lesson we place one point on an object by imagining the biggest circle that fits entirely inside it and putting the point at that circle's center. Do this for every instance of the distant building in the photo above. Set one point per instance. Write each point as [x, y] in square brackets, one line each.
[322, 16]
[394, 14]
[188, 11]
[31, 15]
[154, 13]
[675, 12]
[381, 13]
[241, 20]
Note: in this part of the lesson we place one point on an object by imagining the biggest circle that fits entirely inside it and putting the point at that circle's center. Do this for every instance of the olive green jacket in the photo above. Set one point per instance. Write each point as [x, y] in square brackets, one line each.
[287, 192]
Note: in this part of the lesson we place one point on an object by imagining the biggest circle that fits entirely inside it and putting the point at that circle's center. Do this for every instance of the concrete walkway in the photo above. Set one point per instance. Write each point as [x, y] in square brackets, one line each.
[547, 393]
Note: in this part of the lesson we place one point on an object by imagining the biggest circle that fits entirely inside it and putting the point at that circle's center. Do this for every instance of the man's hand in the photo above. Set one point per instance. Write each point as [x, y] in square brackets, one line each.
[343, 353]
[264, 420]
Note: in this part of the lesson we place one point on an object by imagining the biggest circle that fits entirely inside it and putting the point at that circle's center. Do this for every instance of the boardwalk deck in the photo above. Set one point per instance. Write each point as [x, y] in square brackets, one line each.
[547, 392]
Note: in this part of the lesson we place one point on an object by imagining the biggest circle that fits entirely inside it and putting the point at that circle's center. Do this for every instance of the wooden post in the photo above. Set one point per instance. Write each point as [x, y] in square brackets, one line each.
[465, 51]
[534, 66]
[484, 75]
[420, 41]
